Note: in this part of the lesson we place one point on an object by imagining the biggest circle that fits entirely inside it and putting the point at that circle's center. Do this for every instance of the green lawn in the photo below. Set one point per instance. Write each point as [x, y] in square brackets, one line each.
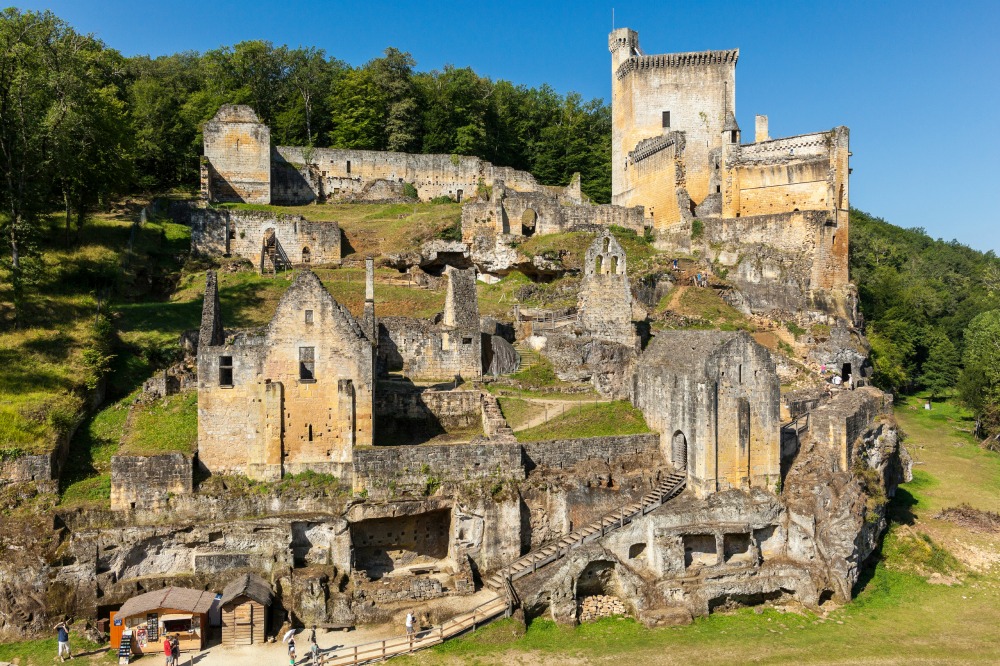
[43, 651]
[165, 426]
[589, 420]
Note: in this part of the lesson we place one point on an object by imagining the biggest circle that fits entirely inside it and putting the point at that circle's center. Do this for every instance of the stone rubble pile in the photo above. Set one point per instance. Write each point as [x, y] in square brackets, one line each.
[601, 605]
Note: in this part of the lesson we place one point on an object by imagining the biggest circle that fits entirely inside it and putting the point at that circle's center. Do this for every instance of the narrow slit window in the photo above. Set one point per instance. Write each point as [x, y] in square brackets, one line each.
[348, 166]
[309, 316]
[666, 119]
[307, 364]
[225, 371]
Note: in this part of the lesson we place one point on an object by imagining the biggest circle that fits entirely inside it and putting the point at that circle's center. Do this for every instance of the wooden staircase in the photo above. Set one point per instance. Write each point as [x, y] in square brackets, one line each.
[501, 582]
[272, 256]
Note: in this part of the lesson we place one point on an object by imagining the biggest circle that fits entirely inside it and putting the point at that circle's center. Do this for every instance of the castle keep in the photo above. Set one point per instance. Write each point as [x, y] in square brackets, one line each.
[678, 151]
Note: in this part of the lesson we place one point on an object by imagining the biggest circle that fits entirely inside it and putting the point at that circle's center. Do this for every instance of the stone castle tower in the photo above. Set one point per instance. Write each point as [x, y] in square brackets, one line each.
[652, 99]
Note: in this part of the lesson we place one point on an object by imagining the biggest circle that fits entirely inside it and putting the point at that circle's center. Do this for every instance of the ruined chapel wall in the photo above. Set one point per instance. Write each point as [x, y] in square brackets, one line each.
[749, 453]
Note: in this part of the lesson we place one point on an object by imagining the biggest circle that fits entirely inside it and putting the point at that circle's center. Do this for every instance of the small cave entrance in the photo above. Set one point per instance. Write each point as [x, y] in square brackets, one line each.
[529, 221]
[404, 544]
[598, 592]
[637, 551]
[845, 371]
[825, 596]
[734, 601]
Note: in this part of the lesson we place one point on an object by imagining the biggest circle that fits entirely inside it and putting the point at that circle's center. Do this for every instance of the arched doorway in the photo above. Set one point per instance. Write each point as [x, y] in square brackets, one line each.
[679, 451]
[529, 220]
[306, 255]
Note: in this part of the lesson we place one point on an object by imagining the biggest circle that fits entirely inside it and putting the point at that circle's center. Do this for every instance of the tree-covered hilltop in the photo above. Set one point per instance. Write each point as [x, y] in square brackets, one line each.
[931, 307]
[311, 99]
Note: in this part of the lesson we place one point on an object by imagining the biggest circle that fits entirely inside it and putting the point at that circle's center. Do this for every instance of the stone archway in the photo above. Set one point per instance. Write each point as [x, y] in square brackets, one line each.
[679, 451]
[529, 221]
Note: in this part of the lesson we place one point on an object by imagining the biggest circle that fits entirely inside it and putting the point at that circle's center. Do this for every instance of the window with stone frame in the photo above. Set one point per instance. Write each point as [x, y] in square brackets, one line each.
[309, 316]
[666, 119]
[225, 371]
[307, 364]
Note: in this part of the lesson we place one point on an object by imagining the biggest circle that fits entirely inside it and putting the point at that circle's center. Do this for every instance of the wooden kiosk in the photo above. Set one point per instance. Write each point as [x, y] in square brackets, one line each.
[172, 611]
[245, 603]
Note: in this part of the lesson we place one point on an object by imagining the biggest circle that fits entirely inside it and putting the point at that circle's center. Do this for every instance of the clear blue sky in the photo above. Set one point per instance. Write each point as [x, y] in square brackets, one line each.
[916, 81]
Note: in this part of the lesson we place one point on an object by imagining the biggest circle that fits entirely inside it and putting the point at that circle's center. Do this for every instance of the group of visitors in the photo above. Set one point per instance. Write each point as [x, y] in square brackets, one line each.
[314, 650]
[171, 649]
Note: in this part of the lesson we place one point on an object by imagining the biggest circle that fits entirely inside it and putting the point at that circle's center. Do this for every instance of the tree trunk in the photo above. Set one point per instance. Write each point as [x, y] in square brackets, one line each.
[68, 215]
[16, 278]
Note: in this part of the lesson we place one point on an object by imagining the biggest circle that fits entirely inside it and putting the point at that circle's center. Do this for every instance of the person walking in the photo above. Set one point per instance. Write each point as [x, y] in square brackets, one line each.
[409, 625]
[62, 636]
[291, 649]
[314, 652]
[168, 651]
[175, 649]
[312, 635]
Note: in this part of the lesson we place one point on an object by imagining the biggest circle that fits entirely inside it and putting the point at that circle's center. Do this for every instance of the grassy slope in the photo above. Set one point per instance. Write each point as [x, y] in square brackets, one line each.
[589, 420]
[898, 617]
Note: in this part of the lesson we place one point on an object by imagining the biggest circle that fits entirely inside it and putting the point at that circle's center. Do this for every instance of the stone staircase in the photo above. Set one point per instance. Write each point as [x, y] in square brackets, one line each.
[494, 423]
[668, 489]
[526, 356]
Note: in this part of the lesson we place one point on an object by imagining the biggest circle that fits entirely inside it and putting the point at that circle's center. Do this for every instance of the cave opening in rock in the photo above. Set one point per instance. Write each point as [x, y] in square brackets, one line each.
[405, 543]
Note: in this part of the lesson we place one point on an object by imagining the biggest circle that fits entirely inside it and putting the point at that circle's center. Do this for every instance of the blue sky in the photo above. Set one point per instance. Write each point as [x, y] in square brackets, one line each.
[917, 82]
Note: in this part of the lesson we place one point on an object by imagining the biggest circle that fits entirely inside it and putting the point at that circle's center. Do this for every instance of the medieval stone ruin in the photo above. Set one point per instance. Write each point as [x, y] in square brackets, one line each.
[734, 498]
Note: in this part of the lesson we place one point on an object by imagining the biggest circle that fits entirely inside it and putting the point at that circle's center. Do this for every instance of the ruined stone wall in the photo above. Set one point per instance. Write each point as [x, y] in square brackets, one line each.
[782, 263]
[523, 214]
[345, 174]
[240, 233]
[406, 403]
[437, 351]
[697, 89]
[409, 468]
[840, 422]
[568, 453]
[145, 481]
[238, 152]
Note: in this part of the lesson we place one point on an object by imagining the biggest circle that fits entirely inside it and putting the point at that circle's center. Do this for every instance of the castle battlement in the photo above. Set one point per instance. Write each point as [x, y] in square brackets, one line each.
[693, 59]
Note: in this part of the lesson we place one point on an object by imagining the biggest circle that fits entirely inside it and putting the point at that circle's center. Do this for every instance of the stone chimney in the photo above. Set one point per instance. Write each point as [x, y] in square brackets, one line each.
[761, 133]
[368, 317]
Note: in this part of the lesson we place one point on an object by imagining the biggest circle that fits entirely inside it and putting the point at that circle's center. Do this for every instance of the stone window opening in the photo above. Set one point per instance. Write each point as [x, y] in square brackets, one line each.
[699, 550]
[226, 371]
[636, 551]
[607, 244]
[307, 364]
[310, 434]
[732, 136]
[679, 450]
[666, 119]
[306, 255]
[458, 196]
[309, 316]
[599, 265]
[737, 548]
[614, 265]
[348, 166]
[718, 188]
[466, 341]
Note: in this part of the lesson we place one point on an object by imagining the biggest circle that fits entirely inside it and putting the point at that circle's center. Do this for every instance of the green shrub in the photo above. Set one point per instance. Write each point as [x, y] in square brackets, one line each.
[697, 229]
[442, 200]
[410, 191]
